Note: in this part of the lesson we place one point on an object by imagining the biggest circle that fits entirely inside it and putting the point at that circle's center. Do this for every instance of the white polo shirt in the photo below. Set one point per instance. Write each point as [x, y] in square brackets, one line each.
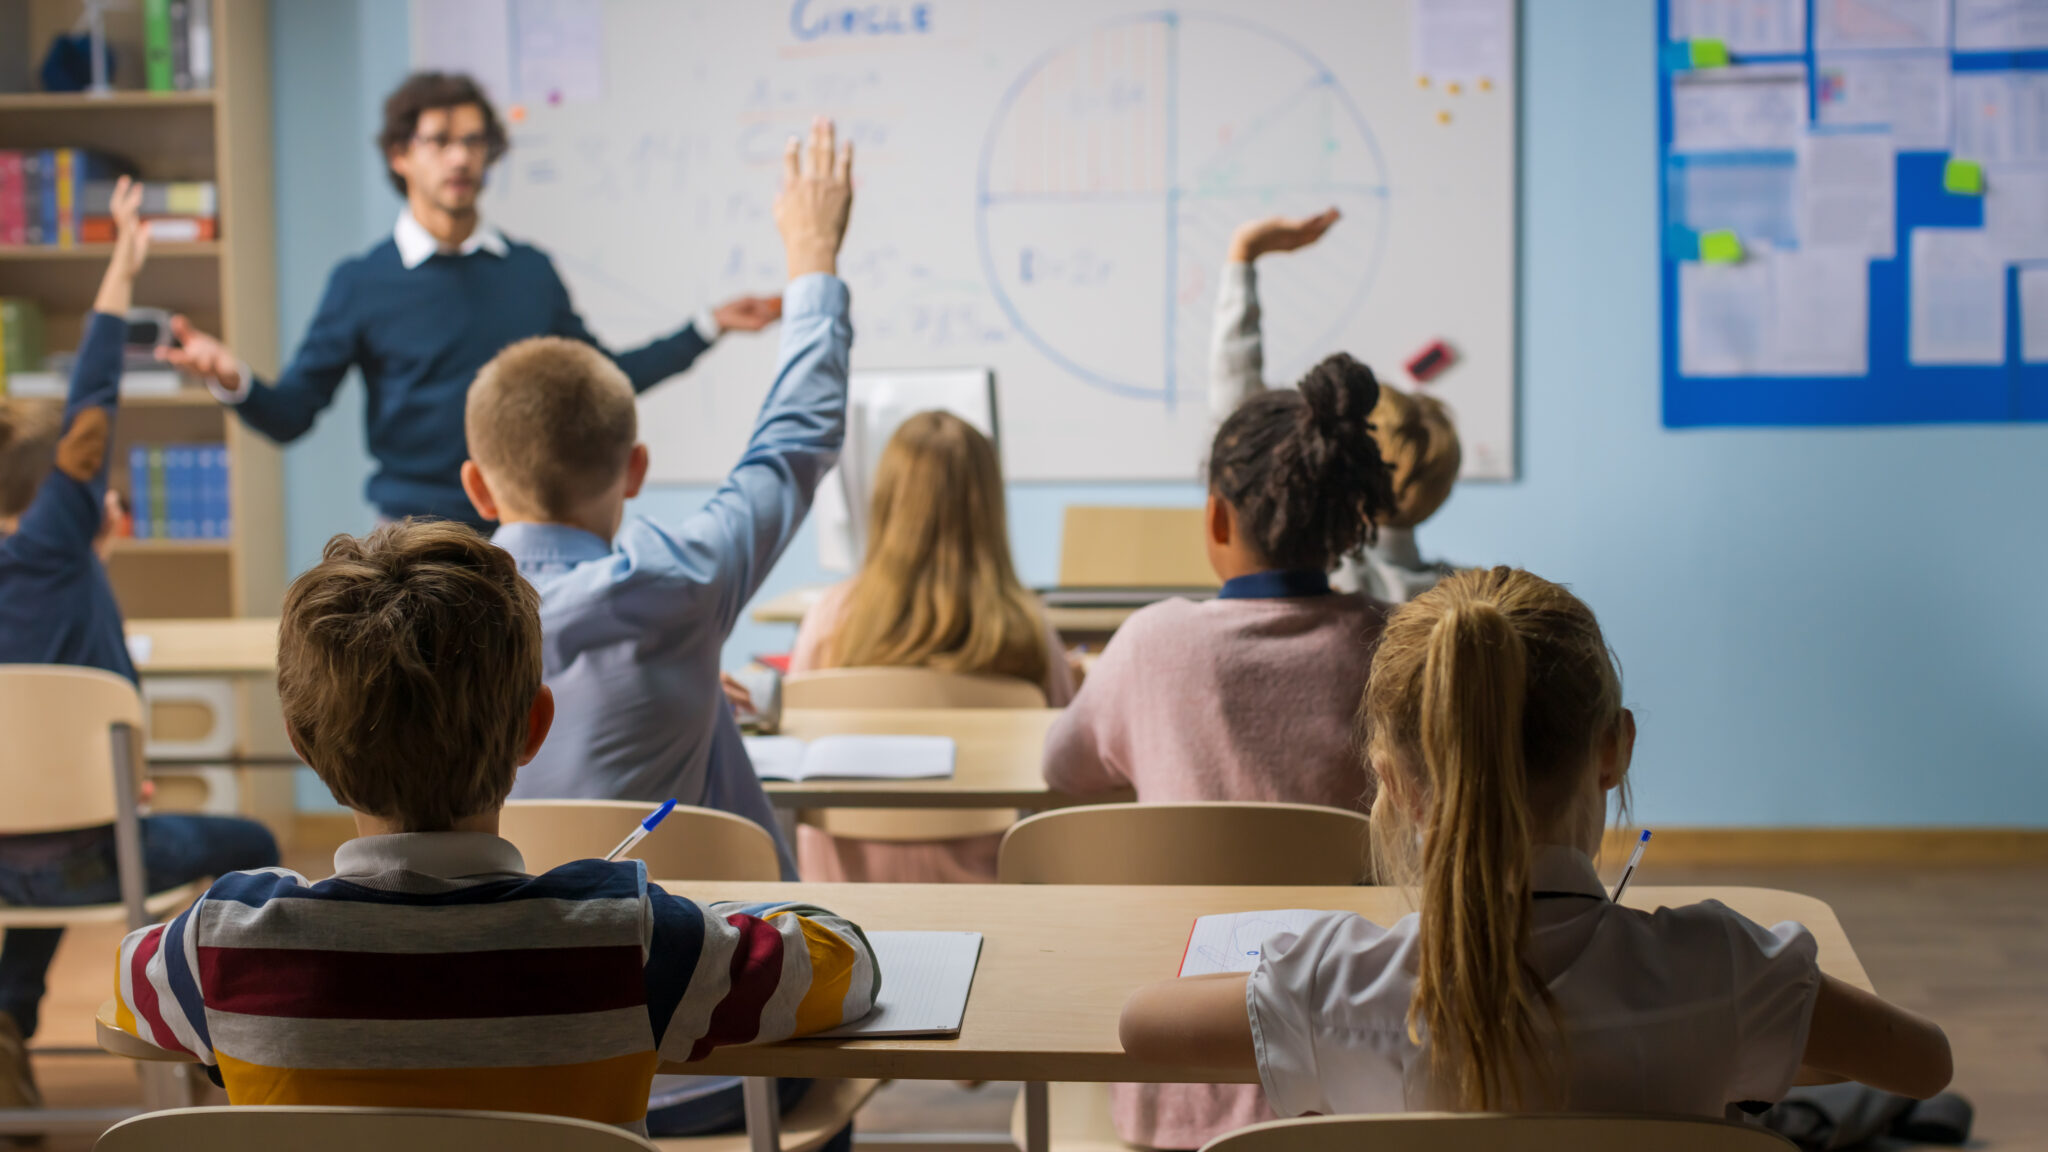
[1682, 1010]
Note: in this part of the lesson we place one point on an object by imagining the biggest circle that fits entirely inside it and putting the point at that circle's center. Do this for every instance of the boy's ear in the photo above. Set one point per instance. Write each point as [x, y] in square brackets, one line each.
[1219, 521]
[636, 470]
[478, 490]
[539, 718]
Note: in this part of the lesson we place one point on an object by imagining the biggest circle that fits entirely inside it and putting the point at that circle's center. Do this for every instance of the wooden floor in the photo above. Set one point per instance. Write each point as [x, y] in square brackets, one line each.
[1967, 946]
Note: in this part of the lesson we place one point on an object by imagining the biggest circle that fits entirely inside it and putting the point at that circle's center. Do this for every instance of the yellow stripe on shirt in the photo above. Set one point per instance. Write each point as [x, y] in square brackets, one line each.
[832, 962]
[612, 1091]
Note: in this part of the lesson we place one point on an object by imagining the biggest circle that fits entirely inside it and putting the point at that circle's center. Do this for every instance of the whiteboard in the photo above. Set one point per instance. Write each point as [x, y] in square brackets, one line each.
[1045, 189]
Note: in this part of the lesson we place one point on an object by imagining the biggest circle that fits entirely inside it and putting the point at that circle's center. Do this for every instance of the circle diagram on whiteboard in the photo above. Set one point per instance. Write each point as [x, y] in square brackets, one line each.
[1117, 166]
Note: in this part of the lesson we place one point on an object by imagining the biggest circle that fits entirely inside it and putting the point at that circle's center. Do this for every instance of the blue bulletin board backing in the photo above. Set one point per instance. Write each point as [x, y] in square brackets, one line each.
[1893, 391]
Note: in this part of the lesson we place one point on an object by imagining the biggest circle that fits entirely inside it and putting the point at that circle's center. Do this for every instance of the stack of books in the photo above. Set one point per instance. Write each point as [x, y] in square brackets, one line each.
[42, 190]
[179, 211]
[177, 45]
[180, 491]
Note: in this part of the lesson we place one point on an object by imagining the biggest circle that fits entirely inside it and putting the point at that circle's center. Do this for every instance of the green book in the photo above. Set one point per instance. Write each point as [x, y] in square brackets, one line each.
[158, 63]
[21, 336]
[159, 495]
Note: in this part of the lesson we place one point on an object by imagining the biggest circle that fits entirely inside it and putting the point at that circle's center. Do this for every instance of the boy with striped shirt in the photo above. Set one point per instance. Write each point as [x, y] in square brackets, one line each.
[431, 970]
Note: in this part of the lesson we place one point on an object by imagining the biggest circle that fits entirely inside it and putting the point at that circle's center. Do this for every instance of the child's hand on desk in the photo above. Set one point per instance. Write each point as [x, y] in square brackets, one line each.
[1256, 238]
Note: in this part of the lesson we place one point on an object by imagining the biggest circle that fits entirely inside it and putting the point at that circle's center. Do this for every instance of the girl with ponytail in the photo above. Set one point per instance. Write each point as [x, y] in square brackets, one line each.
[1494, 725]
[1249, 696]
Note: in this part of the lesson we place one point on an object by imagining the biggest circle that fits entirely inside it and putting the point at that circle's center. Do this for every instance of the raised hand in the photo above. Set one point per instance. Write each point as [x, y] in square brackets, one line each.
[816, 197]
[131, 250]
[748, 313]
[202, 355]
[1256, 238]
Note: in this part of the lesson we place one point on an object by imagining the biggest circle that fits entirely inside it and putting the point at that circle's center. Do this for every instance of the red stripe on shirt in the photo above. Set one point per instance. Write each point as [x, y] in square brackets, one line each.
[146, 1004]
[318, 984]
[756, 970]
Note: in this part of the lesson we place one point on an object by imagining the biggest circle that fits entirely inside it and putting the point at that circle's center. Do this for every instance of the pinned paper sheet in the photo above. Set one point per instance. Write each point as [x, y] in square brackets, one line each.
[1755, 195]
[1847, 192]
[1464, 40]
[1958, 298]
[1776, 314]
[2034, 315]
[2001, 25]
[1747, 108]
[1908, 92]
[1746, 27]
[2016, 215]
[2001, 118]
[1858, 24]
[1963, 177]
[1720, 247]
[1234, 941]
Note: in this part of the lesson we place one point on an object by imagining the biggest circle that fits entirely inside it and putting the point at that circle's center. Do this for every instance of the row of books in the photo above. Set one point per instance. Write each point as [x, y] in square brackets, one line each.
[63, 196]
[180, 491]
[177, 45]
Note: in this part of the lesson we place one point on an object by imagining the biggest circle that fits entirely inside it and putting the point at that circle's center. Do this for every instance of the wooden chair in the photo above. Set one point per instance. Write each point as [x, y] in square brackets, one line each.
[908, 688]
[828, 1107]
[1449, 1132]
[1211, 843]
[71, 757]
[251, 1128]
[1203, 843]
[691, 844]
[1110, 547]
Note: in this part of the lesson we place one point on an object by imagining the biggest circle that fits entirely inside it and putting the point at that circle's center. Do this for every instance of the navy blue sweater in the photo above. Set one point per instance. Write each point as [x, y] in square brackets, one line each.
[56, 606]
[419, 335]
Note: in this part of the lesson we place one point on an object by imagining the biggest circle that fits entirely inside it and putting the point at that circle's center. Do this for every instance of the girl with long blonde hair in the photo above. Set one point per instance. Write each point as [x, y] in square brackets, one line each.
[1493, 721]
[936, 589]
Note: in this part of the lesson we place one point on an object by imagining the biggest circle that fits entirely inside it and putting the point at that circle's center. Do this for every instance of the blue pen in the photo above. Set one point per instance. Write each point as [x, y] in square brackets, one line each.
[1629, 869]
[640, 833]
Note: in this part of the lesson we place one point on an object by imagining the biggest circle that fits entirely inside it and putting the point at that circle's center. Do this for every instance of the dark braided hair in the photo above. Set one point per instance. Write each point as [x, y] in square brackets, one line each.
[1301, 468]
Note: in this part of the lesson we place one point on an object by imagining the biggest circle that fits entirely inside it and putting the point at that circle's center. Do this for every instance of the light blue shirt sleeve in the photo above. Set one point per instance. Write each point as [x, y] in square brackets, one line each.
[709, 565]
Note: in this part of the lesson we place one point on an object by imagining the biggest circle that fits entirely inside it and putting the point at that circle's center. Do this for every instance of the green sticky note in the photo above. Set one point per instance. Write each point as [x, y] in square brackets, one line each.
[1723, 247]
[1709, 54]
[1963, 177]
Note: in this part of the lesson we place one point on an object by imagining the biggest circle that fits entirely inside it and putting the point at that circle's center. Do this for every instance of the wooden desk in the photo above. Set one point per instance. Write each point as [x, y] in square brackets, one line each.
[998, 757]
[1057, 964]
[232, 647]
[1073, 624]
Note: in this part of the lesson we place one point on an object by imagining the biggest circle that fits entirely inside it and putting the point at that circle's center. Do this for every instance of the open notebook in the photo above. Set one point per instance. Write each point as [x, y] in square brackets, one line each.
[925, 980]
[1233, 941]
[851, 757]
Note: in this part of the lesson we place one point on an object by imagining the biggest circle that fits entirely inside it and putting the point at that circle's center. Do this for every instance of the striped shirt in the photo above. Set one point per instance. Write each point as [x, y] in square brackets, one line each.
[432, 971]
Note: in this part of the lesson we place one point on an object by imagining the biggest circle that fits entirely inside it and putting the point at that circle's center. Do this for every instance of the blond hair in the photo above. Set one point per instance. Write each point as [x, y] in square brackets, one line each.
[407, 664]
[1420, 443]
[28, 450]
[551, 422]
[937, 589]
[1488, 696]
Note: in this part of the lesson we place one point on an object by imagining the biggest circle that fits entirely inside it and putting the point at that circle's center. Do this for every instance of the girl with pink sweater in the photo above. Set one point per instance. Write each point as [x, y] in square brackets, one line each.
[1249, 696]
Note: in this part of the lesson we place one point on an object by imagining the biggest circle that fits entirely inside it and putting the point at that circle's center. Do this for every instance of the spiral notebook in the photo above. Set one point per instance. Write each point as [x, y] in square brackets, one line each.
[926, 977]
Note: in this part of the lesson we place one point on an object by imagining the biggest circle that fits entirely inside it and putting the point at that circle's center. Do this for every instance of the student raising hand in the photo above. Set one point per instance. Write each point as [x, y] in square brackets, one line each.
[816, 198]
[1256, 238]
[131, 250]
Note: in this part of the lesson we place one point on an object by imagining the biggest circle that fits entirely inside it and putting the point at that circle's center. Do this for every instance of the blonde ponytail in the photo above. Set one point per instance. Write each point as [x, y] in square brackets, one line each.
[1474, 994]
[1487, 696]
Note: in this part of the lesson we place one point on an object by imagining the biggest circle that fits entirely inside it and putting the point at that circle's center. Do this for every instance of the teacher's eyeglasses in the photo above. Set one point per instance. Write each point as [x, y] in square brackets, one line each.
[477, 143]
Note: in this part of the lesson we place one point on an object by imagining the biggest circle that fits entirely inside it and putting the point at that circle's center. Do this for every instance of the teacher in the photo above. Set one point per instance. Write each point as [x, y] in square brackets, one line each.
[419, 313]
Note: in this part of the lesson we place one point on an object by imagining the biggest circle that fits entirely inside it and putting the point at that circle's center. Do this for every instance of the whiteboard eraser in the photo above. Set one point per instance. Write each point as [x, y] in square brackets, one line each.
[1430, 363]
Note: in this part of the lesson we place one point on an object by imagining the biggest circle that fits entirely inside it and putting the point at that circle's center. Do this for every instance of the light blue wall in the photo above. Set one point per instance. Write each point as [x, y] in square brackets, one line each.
[1837, 626]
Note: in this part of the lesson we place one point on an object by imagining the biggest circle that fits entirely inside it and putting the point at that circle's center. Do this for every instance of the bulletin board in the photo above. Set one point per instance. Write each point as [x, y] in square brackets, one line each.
[1868, 290]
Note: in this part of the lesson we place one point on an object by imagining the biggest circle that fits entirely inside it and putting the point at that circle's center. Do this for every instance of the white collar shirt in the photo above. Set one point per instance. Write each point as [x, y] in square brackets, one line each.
[1682, 1010]
[416, 245]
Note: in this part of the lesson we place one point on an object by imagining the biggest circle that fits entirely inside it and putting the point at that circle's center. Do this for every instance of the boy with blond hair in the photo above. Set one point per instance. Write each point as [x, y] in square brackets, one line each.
[431, 970]
[635, 612]
[57, 607]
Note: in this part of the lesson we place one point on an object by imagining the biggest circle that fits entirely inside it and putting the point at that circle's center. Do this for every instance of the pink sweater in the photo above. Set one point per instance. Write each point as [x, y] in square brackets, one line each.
[1225, 700]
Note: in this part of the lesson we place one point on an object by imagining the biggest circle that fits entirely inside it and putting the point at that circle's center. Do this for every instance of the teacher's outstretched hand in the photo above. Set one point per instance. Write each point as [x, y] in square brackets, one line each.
[816, 198]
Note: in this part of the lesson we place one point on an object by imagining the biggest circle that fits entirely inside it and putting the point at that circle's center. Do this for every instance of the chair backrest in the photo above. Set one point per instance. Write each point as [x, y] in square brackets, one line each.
[1213, 843]
[1447, 1132]
[691, 844]
[1108, 547]
[907, 688]
[56, 745]
[262, 1128]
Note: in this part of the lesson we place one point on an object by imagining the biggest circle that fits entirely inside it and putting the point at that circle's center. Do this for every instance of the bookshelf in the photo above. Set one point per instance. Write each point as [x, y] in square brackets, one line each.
[226, 286]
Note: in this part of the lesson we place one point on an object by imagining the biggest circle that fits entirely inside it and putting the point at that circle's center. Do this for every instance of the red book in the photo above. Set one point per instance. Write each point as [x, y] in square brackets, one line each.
[13, 211]
[163, 229]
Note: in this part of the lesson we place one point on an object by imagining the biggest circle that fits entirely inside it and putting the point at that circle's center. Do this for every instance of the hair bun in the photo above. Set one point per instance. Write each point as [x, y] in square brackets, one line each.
[1340, 393]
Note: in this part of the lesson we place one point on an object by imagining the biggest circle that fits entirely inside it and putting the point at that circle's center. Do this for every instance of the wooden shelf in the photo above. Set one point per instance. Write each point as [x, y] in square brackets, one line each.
[198, 249]
[182, 398]
[126, 101]
[152, 546]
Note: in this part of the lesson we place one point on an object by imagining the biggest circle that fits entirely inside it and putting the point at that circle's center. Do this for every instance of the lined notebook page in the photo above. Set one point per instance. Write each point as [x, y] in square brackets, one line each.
[1231, 942]
[925, 980]
[851, 757]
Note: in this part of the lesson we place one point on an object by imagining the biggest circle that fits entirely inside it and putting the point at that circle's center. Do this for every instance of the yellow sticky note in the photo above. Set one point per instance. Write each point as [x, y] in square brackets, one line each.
[1722, 247]
[1963, 177]
[1422, 81]
[1709, 54]
[1444, 116]
[1454, 88]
